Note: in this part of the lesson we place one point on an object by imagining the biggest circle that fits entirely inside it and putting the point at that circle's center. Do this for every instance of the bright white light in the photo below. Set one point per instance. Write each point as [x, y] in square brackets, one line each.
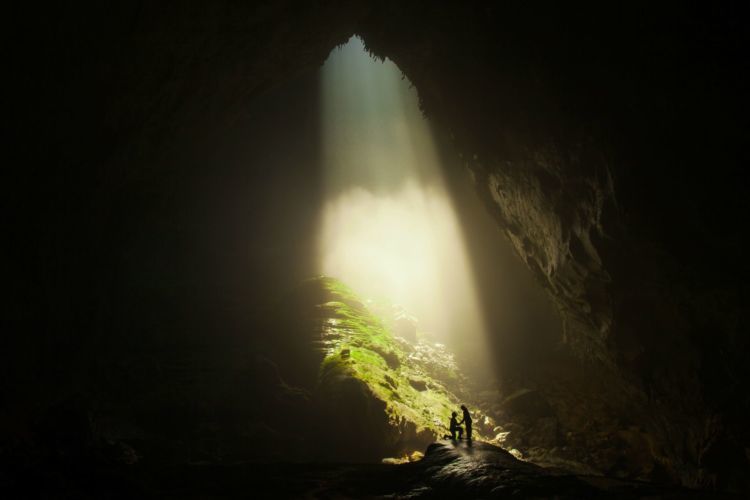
[388, 228]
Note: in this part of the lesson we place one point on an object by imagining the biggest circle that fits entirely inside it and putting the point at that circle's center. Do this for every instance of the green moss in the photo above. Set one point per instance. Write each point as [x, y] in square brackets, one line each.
[374, 356]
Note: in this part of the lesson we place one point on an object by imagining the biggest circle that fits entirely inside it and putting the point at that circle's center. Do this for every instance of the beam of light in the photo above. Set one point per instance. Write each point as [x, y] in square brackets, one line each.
[388, 227]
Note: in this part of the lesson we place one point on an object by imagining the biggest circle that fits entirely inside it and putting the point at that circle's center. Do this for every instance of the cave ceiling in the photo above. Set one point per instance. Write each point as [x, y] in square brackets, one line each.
[608, 146]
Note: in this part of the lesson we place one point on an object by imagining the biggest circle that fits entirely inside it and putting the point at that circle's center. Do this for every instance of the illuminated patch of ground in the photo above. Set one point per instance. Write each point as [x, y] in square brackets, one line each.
[418, 381]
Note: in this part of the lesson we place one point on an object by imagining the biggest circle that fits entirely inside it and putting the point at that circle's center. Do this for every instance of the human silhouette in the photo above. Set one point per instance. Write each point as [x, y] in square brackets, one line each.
[455, 428]
[466, 420]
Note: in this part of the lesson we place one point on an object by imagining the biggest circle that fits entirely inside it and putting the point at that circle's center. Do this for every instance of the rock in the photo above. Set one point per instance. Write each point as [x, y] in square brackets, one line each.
[121, 452]
[513, 436]
[66, 428]
[543, 433]
[445, 471]
[484, 424]
[526, 405]
[500, 438]
[406, 327]
[418, 384]
[353, 420]
[390, 357]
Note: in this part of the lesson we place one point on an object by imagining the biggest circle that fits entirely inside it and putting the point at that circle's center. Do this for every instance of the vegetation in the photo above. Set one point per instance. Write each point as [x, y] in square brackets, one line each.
[417, 381]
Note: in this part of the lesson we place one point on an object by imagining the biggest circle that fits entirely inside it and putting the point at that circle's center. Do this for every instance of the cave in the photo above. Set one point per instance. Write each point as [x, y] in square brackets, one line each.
[208, 204]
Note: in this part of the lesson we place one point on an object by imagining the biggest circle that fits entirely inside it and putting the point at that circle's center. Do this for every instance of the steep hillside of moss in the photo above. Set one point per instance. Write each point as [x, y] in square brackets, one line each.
[416, 381]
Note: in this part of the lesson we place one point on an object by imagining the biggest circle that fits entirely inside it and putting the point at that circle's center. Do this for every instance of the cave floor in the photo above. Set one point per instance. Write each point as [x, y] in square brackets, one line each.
[447, 470]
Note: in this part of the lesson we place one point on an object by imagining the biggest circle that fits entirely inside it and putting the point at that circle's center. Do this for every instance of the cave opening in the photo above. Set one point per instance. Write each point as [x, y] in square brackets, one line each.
[409, 259]
[180, 170]
[388, 226]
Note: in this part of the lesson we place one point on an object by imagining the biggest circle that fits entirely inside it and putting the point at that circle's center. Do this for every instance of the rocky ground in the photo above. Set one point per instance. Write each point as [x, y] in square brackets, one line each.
[338, 406]
[341, 407]
[459, 471]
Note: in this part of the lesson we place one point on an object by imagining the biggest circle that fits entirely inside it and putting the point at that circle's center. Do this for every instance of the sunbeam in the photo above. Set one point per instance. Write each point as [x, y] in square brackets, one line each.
[388, 227]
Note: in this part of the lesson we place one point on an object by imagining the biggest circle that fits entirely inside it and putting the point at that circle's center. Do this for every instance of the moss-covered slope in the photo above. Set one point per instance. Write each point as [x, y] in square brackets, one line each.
[417, 383]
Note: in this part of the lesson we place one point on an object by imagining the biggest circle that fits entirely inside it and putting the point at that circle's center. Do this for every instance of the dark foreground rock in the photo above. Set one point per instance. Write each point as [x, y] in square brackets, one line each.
[447, 470]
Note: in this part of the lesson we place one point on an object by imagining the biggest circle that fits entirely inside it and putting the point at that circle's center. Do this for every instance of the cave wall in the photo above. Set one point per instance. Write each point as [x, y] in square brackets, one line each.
[607, 144]
[589, 136]
[120, 111]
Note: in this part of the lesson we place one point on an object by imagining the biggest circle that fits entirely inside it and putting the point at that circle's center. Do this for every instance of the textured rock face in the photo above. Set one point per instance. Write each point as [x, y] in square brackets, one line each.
[586, 169]
[481, 471]
[551, 226]
[607, 146]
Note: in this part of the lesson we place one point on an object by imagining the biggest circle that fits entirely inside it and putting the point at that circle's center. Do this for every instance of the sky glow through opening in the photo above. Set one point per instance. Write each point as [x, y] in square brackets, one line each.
[388, 227]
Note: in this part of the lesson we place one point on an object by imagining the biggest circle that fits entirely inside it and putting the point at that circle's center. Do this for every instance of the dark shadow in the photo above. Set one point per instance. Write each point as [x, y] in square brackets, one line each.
[467, 421]
[456, 431]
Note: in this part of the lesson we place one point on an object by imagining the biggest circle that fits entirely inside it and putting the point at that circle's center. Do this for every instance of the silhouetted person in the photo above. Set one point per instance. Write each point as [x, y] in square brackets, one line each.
[466, 421]
[455, 428]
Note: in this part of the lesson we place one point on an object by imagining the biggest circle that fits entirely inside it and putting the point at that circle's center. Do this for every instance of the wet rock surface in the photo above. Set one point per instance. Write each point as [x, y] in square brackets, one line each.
[447, 470]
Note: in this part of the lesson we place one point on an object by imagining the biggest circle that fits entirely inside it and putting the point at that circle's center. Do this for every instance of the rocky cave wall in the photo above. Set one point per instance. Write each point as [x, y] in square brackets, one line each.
[588, 139]
[606, 144]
